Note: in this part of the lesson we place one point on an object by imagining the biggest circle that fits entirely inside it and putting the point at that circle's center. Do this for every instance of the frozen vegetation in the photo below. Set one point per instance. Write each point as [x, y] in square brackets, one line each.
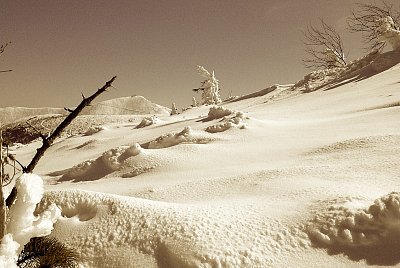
[23, 224]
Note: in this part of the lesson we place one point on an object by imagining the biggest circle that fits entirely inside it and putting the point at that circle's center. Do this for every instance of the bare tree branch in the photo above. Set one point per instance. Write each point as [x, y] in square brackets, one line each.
[2, 48]
[366, 19]
[324, 47]
[48, 141]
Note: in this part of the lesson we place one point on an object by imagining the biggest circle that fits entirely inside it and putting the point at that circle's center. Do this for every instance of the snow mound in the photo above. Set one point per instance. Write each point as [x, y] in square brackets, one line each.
[372, 234]
[132, 105]
[148, 121]
[109, 162]
[172, 139]
[217, 112]
[356, 144]
[94, 130]
[228, 122]
[169, 234]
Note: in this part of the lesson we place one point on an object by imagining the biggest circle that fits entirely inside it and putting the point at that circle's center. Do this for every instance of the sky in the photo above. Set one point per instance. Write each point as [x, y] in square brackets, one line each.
[62, 48]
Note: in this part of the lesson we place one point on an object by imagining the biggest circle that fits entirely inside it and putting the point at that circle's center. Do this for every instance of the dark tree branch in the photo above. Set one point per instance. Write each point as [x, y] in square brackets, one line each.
[48, 141]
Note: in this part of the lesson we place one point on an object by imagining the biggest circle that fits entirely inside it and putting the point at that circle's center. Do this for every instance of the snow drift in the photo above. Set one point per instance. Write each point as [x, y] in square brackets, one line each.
[167, 234]
[372, 234]
[107, 163]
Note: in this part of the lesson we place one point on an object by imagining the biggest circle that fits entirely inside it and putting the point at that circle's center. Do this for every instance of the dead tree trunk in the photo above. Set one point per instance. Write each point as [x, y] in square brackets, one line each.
[48, 141]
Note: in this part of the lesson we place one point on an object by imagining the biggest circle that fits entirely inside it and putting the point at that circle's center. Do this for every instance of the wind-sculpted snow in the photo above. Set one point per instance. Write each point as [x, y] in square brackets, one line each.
[109, 162]
[372, 234]
[228, 122]
[94, 130]
[217, 112]
[168, 234]
[172, 139]
[148, 121]
[360, 69]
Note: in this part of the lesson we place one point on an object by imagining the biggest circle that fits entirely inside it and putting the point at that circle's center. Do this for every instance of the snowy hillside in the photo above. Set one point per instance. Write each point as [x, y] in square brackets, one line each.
[12, 114]
[133, 105]
[302, 175]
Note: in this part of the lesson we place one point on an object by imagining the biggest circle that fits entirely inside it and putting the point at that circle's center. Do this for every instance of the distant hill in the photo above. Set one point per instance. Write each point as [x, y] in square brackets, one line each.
[125, 106]
[135, 105]
[12, 114]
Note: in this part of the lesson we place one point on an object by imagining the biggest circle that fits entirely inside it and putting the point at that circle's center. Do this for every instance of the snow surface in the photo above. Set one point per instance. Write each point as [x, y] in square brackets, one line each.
[307, 177]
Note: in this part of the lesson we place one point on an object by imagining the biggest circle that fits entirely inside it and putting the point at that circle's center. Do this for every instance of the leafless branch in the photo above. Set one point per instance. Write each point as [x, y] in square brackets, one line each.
[324, 47]
[365, 19]
[2, 48]
[48, 141]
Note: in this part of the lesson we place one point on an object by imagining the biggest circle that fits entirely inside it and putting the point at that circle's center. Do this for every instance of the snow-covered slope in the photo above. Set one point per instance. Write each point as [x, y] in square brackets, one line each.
[282, 178]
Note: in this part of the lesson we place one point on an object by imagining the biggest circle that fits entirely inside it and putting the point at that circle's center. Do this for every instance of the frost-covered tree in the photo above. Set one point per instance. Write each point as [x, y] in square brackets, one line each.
[209, 87]
[174, 110]
[378, 24]
[324, 47]
[194, 102]
[388, 34]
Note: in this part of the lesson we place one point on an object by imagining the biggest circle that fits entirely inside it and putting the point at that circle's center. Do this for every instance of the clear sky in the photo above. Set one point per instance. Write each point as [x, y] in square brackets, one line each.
[62, 48]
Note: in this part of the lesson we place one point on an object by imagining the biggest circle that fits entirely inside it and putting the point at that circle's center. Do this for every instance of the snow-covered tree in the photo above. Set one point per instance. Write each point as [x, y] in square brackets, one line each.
[379, 24]
[388, 33]
[194, 102]
[174, 110]
[210, 87]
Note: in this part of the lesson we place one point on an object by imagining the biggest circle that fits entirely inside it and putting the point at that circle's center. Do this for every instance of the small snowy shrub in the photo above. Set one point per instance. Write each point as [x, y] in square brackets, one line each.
[194, 102]
[23, 224]
[173, 109]
[47, 252]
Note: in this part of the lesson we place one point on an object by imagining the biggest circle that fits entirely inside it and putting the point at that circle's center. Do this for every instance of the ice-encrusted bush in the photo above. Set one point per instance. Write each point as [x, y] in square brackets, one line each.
[174, 110]
[388, 33]
[23, 224]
